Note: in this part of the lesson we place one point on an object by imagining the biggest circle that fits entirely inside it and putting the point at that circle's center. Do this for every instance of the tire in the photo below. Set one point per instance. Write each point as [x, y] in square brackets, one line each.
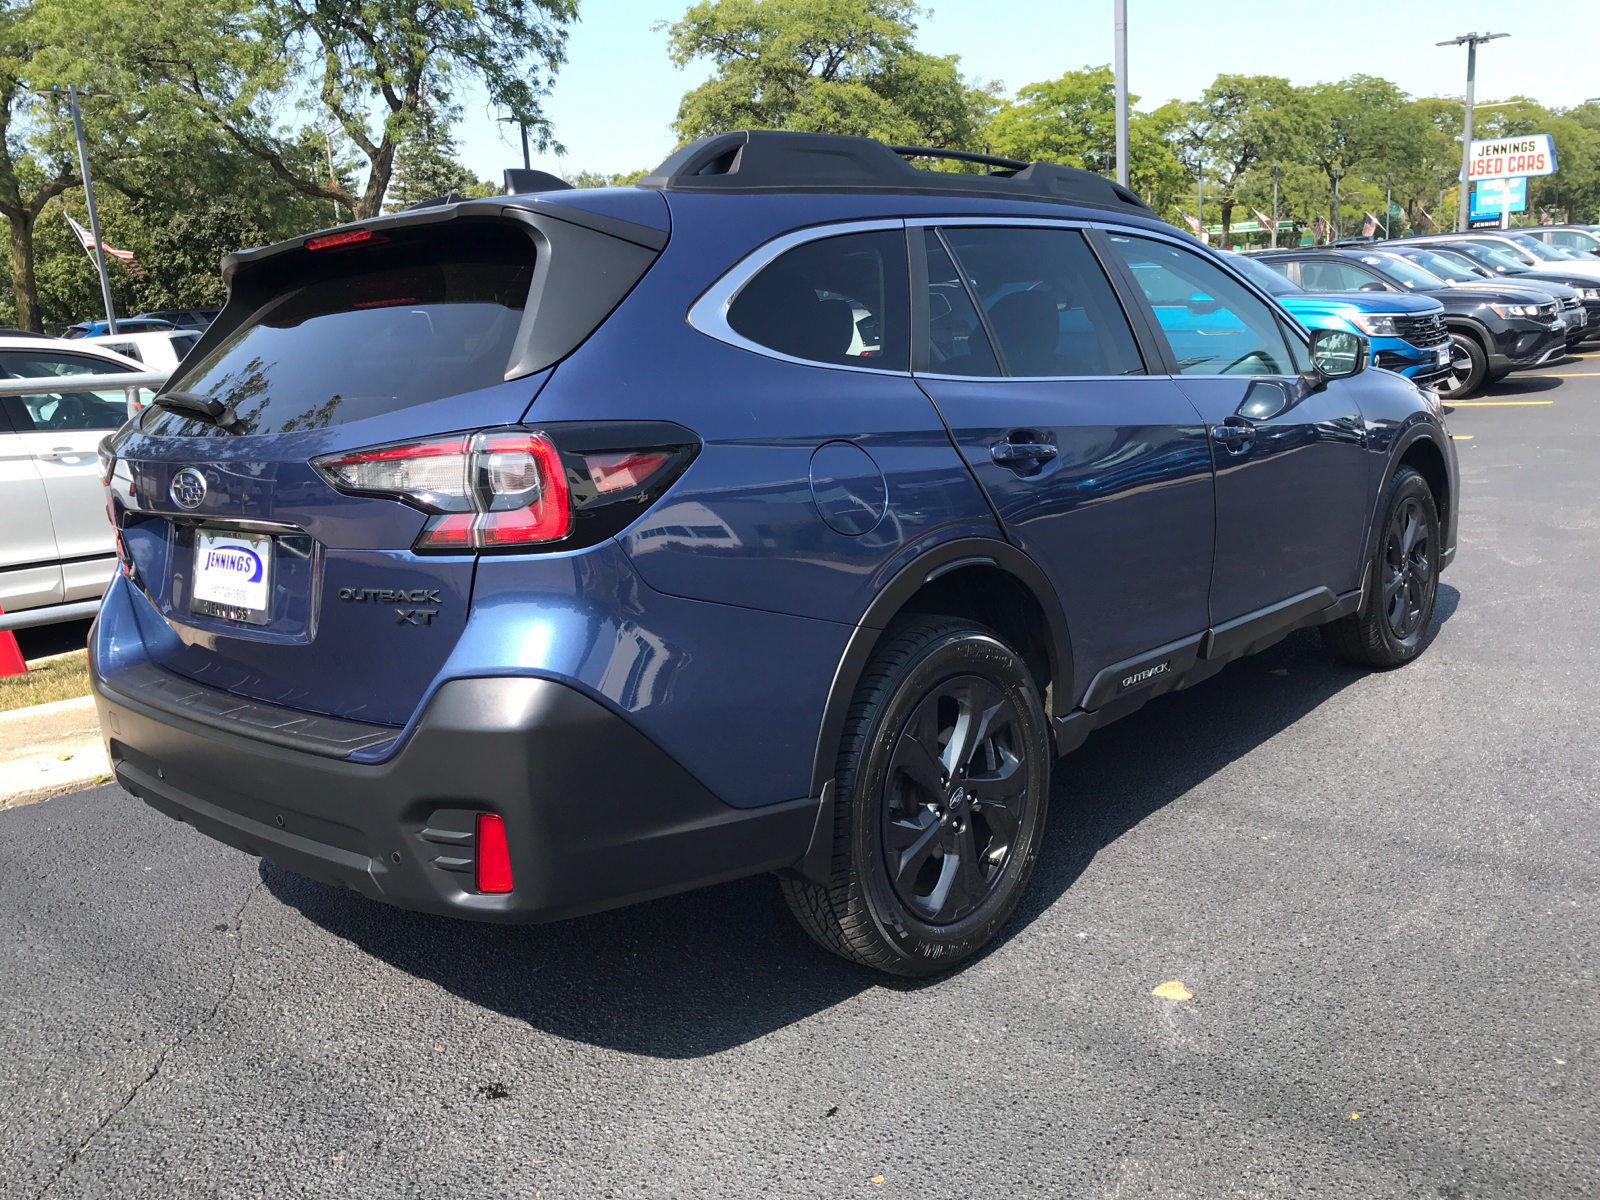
[1469, 368]
[1401, 581]
[914, 788]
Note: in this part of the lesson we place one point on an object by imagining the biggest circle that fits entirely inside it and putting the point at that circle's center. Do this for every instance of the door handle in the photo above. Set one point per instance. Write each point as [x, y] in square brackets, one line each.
[57, 452]
[1012, 452]
[1234, 436]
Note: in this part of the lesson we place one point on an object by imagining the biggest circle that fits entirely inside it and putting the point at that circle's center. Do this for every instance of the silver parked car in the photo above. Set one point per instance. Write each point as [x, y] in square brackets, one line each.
[56, 543]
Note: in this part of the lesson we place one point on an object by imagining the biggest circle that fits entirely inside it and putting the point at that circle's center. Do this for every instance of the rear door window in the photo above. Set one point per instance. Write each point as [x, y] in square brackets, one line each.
[1044, 300]
[69, 406]
[407, 318]
[838, 300]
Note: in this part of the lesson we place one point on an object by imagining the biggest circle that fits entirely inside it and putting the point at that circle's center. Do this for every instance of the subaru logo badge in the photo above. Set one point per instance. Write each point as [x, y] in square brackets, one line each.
[188, 488]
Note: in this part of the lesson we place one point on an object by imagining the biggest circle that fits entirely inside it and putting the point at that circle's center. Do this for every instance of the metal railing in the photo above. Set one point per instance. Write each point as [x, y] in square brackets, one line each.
[132, 383]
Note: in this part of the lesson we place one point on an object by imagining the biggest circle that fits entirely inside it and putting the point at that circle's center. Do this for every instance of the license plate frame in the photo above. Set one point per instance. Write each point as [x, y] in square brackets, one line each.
[232, 575]
[1442, 355]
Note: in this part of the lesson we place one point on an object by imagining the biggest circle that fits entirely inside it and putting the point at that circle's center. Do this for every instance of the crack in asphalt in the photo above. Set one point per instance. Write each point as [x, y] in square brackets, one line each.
[155, 1069]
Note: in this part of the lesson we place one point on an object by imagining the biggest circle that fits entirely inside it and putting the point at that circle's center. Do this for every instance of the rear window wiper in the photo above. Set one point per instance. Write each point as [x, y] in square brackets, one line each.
[215, 411]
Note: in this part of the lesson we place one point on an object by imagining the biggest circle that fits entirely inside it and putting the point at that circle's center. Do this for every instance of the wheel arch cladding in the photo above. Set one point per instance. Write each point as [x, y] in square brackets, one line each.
[986, 581]
[1425, 458]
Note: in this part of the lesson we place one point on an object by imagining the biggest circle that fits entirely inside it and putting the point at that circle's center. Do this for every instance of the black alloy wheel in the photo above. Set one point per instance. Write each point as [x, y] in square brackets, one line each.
[958, 785]
[939, 803]
[1401, 583]
[1409, 580]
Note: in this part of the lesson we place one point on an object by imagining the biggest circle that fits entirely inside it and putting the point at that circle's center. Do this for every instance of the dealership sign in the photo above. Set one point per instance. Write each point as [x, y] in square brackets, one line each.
[1512, 157]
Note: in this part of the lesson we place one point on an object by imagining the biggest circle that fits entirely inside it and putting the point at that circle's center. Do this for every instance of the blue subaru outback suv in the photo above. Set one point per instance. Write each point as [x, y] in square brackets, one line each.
[794, 510]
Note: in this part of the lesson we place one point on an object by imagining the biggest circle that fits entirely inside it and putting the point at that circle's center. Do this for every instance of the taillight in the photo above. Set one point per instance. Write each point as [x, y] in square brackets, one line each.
[516, 489]
[494, 856]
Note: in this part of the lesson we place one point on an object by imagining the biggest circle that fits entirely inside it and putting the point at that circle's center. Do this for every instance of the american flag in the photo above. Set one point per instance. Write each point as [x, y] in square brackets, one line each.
[124, 256]
[1194, 222]
[1320, 227]
[1369, 226]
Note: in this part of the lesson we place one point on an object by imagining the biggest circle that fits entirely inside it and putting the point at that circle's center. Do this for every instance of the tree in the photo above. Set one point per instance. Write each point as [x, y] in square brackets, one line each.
[1240, 121]
[1072, 121]
[370, 65]
[425, 166]
[823, 66]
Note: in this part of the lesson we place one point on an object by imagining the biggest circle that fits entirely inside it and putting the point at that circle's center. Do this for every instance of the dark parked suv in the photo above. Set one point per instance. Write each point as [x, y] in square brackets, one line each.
[1495, 330]
[791, 511]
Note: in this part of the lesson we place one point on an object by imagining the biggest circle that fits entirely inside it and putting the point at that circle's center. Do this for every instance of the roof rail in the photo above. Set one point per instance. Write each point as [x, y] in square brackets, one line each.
[988, 160]
[770, 161]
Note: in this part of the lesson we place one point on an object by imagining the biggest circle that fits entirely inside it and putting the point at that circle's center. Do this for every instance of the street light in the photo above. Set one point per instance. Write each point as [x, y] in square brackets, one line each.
[527, 163]
[88, 196]
[1121, 53]
[1471, 41]
[1338, 174]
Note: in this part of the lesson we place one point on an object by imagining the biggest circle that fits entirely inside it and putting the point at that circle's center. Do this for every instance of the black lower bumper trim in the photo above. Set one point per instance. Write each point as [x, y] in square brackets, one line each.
[596, 814]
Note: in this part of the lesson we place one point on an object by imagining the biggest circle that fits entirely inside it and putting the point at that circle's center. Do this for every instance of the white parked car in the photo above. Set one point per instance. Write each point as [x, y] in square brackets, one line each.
[56, 543]
[160, 350]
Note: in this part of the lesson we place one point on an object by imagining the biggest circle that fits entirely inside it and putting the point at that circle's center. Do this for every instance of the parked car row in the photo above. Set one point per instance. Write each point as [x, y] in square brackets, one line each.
[1506, 304]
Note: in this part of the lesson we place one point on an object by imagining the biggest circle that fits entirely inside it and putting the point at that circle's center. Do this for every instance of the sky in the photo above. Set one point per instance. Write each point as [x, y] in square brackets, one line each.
[615, 100]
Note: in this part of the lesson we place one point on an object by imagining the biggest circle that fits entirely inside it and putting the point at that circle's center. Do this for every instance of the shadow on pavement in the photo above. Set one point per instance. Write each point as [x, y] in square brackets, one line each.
[695, 974]
[1519, 385]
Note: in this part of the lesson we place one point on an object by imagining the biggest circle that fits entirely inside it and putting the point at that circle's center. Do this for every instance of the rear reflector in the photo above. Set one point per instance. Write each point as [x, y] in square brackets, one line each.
[494, 857]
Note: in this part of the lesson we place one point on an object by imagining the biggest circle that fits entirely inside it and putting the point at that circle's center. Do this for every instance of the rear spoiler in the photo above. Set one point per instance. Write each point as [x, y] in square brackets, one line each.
[589, 260]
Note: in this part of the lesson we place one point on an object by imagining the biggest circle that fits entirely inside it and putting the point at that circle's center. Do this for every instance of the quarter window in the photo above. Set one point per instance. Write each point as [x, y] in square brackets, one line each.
[839, 300]
[1214, 325]
[1045, 302]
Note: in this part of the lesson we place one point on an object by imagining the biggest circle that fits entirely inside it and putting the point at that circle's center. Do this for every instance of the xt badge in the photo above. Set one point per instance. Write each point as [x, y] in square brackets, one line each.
[404, 616]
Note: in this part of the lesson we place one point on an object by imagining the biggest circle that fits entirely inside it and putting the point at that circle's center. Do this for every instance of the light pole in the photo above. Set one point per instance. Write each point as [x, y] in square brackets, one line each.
[1338, 174]
[94, 217]
[1121, 54]
[1200, 196]
[1388, 205]
[1472, 41]
[527, 163]
[1274, 206]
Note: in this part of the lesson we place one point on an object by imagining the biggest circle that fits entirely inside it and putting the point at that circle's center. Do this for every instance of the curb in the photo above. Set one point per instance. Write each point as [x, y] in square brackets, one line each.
[47, 750]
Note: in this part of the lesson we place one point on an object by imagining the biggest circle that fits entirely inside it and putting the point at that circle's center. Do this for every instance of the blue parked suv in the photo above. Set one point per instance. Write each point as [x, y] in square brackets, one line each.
[791, 511]
[1407, 333]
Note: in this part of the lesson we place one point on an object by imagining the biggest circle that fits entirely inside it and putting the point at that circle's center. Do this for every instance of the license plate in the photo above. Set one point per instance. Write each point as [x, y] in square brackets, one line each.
[232, 576]
[1444, 356]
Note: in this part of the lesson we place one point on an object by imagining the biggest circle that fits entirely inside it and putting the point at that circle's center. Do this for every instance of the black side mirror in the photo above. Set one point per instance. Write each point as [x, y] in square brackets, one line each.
[1374, 286]
[1337, 354]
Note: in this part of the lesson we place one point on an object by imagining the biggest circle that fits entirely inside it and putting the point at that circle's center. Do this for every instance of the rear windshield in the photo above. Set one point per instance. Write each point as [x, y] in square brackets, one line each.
[366, 330]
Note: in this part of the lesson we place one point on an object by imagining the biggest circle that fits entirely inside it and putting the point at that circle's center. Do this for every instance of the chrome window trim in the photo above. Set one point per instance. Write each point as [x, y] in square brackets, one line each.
[709, 314]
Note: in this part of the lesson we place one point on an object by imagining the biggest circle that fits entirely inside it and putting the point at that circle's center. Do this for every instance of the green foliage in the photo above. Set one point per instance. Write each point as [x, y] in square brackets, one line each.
[598, 179]
[425, 166]
[1072, 121]
[232, 67]
[823, 66]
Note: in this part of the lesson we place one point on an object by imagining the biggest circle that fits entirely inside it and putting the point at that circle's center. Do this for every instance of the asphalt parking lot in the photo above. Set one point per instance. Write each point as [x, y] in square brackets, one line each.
[1382, 891]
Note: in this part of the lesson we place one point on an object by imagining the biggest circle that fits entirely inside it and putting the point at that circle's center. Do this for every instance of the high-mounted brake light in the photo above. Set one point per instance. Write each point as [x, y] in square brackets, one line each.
[494, 856]
[347, 237]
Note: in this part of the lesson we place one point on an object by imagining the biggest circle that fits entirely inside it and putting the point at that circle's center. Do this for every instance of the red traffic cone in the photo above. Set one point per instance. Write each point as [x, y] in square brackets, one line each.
[11, 662]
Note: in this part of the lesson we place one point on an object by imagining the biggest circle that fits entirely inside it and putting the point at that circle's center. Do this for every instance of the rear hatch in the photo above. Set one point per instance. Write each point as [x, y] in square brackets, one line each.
[302, 586]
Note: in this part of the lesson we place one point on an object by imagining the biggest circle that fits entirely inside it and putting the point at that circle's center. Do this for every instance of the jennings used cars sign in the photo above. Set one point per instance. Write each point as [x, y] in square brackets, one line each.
[1511, 157]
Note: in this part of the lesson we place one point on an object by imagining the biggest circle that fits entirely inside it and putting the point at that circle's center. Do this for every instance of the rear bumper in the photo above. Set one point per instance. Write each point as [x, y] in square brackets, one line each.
[596, 815]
